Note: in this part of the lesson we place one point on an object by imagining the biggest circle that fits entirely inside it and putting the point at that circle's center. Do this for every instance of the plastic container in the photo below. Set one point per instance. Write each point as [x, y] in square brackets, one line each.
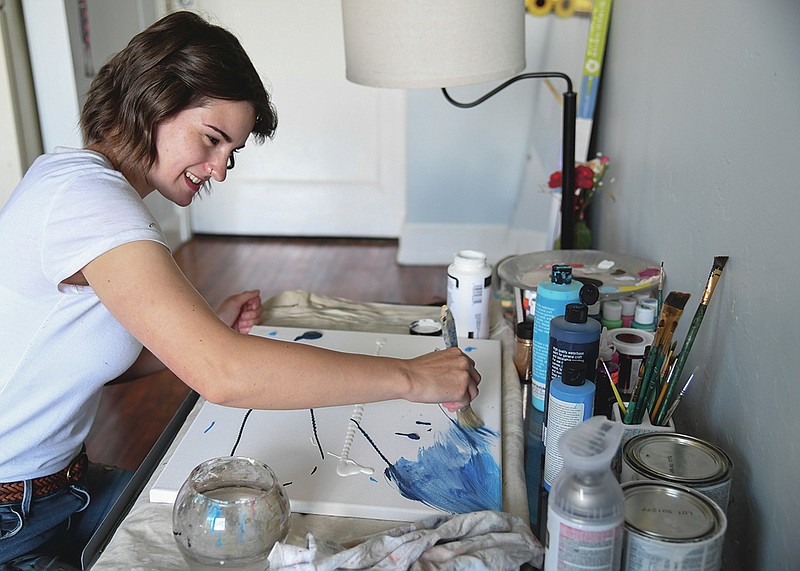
[469, 293]
[586, 507]
[570, 402]
[612, 314]
[573, 337]
[629, 304]
[645, 318]
[552, 298]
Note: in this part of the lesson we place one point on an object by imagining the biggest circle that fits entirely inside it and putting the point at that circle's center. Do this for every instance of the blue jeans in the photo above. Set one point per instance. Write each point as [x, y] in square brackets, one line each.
[60, 523]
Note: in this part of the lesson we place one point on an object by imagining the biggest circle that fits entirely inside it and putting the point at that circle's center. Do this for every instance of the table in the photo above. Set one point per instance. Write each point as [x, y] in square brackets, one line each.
[143, 538]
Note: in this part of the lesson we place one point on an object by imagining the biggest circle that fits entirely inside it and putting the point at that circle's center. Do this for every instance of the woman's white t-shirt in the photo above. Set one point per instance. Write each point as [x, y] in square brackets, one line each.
[58, 344]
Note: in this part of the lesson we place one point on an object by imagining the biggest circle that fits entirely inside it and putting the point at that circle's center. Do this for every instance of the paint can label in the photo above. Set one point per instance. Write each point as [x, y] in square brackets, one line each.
[668, 526]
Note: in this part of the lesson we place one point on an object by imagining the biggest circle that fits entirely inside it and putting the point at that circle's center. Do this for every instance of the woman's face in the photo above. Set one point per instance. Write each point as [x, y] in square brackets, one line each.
[194, 146]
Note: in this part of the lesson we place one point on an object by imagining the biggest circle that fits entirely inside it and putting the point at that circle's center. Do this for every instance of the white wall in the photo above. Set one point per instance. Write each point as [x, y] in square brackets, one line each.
[700, 116]
[477, 177]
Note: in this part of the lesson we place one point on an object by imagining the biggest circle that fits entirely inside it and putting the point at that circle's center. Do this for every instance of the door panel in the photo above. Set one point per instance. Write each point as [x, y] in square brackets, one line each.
[337, 164]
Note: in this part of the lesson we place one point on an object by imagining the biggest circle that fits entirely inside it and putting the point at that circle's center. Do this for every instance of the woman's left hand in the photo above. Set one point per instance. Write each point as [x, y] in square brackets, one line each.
[241, 311]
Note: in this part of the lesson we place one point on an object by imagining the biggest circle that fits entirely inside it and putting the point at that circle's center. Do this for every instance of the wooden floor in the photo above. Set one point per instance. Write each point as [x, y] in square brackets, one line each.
[133, 415]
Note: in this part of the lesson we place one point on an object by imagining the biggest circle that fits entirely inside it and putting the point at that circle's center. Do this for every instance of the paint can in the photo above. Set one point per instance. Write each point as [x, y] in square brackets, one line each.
[669, 526]
[630, 344]
[679, 459]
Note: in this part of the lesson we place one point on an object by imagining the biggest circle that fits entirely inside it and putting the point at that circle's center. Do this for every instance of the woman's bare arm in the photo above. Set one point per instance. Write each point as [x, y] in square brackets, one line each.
[142, 286]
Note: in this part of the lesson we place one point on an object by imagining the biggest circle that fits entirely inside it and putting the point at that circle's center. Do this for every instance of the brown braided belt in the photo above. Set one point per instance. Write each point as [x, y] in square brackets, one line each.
[12, 492]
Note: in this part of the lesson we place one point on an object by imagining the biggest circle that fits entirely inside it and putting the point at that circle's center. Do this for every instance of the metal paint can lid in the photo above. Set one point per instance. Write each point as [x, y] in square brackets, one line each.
[428, 327]
[677, 458]
[670, 512]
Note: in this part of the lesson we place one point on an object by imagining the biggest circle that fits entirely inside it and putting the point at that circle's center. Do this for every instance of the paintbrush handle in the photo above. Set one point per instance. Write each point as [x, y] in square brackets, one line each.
[697, 320]
[448, 328]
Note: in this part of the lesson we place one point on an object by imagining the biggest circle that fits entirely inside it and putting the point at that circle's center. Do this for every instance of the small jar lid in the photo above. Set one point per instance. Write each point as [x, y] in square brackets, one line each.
[525, 329]
[428, 327]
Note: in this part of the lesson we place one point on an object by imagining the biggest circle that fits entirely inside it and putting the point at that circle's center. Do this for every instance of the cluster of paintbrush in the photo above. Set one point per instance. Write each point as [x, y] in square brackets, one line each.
[661, 367]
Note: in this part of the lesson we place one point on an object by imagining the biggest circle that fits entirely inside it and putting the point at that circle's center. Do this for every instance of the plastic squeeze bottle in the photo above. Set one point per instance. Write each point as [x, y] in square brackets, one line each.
[586, 507]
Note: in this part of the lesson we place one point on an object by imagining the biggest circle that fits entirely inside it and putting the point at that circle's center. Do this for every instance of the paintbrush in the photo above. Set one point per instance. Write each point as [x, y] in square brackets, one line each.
[667, 322]
[617, 396]
[677, 400]
[694, 327]
[670, 314]
[466, 416]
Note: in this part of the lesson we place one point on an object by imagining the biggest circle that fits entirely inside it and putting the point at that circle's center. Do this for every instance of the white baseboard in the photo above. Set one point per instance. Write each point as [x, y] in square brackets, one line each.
[437, 244]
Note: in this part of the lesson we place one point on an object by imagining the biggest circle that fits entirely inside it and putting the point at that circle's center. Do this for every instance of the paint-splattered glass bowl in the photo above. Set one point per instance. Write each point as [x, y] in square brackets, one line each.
[229, 513]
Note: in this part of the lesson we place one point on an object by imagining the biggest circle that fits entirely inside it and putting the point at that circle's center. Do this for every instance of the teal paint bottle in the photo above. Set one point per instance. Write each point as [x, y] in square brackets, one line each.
[552, 297]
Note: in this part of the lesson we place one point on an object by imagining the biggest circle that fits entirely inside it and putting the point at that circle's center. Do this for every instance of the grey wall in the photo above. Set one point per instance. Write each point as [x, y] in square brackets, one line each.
[699, 113]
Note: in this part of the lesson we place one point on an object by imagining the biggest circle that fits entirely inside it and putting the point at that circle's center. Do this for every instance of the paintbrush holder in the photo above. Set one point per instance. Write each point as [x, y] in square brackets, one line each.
[229, 513]
[631, 430]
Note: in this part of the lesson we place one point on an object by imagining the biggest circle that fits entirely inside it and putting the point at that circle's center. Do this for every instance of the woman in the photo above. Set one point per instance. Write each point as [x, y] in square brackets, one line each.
[90, 293]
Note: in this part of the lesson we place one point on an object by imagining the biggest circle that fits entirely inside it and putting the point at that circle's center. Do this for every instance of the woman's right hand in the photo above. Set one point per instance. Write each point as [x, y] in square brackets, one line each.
[448, 377]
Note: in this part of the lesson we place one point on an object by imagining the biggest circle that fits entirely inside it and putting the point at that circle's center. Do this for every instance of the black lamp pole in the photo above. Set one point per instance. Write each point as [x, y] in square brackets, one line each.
[567, 146]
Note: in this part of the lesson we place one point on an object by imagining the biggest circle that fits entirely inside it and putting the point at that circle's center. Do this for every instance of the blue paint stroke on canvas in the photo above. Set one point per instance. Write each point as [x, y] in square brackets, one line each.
[457, 474]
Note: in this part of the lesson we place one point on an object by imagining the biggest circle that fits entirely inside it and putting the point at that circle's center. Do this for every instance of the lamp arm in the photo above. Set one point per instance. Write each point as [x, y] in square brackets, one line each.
[567, 144]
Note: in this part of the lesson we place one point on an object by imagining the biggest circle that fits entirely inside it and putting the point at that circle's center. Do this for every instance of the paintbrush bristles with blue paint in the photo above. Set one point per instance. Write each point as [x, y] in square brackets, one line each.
[466, 416]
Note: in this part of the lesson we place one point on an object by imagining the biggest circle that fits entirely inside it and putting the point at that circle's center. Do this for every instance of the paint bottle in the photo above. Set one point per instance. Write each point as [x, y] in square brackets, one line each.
[612, 314]
[630, 345]
[571, 402]
[523, 349]
[645, 318]
[604, 398]
[469, 293]
[629, 304]
[552, 297]
[586, 507]
[573, 337]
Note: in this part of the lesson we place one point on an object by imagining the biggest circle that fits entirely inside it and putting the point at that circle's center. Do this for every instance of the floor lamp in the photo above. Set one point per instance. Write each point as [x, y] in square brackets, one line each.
[445, 43]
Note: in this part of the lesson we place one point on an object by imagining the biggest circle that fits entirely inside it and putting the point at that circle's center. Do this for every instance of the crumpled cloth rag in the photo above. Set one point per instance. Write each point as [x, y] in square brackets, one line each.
[484, 540]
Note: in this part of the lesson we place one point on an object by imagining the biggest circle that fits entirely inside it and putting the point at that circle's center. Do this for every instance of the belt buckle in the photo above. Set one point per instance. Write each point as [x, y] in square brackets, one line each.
[76, 466]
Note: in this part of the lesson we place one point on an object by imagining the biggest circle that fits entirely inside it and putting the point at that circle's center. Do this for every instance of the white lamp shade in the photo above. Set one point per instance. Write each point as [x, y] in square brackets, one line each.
[432, 43]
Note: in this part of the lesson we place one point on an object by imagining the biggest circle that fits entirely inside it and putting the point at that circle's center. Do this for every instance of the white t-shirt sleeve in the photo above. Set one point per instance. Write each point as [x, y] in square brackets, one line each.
[89, 216]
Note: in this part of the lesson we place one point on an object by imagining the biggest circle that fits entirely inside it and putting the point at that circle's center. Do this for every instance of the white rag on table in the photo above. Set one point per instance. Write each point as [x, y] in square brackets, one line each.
[485, 540]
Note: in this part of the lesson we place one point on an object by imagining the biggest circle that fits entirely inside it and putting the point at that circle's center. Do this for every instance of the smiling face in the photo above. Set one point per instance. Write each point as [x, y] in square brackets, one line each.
[194, 146]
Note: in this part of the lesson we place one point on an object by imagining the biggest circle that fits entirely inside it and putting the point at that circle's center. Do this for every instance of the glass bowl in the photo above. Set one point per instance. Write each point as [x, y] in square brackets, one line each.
[229, 513]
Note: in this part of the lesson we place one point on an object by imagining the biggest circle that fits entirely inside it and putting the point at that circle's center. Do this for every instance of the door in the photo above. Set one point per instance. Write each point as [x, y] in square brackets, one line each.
[337, 164]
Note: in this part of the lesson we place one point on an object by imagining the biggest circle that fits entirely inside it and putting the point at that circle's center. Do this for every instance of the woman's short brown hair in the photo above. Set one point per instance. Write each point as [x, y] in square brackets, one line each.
[179, 62]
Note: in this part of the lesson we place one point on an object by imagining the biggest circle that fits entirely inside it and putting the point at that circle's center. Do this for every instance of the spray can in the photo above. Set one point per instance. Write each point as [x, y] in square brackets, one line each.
[552, 298]
[469, 293]
[570, 402]
[586, 507]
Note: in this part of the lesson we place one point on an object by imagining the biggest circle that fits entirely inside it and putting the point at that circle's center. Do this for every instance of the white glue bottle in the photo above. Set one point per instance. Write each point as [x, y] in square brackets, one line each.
[586, 507]
[469, 293]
